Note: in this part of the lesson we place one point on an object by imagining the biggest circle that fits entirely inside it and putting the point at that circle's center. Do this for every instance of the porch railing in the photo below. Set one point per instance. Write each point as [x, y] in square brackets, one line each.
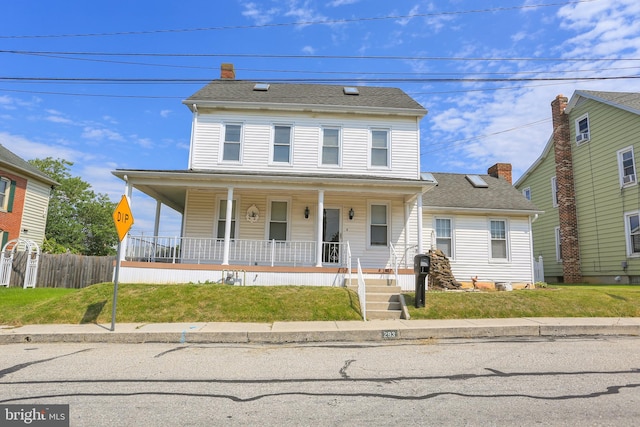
[362, 292]
[194, 250]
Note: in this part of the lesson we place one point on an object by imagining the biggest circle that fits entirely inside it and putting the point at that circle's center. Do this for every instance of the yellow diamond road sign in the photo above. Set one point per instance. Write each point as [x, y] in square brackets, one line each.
[123, 218]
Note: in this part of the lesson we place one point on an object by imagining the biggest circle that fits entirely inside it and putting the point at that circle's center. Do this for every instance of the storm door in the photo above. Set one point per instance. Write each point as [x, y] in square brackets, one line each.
[331, 236]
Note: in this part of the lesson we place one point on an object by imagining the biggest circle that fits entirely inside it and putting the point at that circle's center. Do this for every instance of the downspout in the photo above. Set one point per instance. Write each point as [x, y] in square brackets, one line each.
[194, 123]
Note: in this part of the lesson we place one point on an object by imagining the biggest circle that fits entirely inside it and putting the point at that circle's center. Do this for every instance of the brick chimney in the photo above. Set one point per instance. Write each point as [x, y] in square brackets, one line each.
[501, 170]
[566, 192]
[227, 72]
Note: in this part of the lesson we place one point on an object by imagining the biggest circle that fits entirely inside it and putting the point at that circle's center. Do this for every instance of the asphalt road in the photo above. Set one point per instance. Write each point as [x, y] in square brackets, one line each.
[592, 381]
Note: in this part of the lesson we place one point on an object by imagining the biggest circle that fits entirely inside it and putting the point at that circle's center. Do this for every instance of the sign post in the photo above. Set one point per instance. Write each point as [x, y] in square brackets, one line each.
[123, 219]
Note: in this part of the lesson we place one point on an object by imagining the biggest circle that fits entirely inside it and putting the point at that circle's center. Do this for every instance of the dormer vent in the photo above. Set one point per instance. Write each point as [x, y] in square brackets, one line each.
[351, 90]
[261, 87]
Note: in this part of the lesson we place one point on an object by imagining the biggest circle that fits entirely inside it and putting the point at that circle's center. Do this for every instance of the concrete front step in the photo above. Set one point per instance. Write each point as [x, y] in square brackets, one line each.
[383, 289]
[383, 314]
[382, 297]
[372, 282]
[389, 305]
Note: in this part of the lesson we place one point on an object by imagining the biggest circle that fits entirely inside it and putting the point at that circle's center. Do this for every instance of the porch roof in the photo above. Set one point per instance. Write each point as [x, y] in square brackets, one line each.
[170, 186]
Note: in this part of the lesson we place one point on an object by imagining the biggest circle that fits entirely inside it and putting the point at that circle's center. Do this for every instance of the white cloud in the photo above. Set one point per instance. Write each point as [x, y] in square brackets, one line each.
[165, 113]
[257, 15]
[58, 119]
[337, 3]
[478, 129]
[28, 149]
[101, 134]
[309, 50]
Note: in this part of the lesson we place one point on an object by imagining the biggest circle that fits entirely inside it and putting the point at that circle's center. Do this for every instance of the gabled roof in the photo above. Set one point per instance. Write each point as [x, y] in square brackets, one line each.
[628, 101]
[313, 97]
[456, 193]
[11, 160]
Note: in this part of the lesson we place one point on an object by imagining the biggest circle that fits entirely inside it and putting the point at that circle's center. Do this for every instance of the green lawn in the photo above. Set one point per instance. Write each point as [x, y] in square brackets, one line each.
[222, 303]
[177, 303]
[554, 301]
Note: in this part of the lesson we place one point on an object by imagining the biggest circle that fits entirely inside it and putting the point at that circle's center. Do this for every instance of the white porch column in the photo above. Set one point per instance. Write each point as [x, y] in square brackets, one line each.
[156, 224]
[227, 227]
[419, 209]
[319, 228]
[407, 217]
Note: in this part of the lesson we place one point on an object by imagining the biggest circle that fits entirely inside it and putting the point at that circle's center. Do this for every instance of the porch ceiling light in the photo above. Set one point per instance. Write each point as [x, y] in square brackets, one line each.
[306, 212]
[351, 213]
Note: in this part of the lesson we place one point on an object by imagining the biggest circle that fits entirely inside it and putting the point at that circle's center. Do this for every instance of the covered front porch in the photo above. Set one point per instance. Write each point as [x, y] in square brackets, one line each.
[280, 225]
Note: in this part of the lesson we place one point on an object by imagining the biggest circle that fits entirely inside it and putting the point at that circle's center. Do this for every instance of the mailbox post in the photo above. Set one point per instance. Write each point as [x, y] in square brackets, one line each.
[421, 265]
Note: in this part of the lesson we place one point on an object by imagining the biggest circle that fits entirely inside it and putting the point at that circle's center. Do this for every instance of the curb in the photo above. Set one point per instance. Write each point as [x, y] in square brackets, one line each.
[328, 332]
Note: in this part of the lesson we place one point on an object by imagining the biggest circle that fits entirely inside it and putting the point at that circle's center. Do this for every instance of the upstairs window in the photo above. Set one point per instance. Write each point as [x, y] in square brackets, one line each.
[554, 191]
[330, 146]
[444, 236]
[627, 167]
[232, 143]
[582, 130]
[282, 144]
[380, 148]
[7, 189]
[498, 239]
[527, 193]
[632, 230]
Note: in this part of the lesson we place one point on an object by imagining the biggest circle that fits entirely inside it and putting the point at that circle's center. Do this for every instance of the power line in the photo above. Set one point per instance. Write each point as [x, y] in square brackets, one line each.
[111, 80]
[302, 23]
[297, 56]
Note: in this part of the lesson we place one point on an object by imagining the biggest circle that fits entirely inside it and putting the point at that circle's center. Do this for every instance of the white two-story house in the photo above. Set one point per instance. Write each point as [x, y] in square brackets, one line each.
[288, 184]
[300, 183]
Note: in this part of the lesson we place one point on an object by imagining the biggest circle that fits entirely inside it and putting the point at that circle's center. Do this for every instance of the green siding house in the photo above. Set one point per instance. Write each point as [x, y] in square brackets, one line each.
[586, 182]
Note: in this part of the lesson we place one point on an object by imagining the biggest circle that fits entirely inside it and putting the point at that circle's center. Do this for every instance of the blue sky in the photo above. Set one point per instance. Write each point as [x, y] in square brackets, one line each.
[100, 83]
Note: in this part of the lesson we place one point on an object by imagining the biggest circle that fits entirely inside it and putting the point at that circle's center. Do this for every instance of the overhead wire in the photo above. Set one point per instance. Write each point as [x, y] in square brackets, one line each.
[301, 23]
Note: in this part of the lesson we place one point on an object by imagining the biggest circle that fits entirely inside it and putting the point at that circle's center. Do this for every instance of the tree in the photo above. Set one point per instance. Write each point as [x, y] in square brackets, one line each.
[79, 220]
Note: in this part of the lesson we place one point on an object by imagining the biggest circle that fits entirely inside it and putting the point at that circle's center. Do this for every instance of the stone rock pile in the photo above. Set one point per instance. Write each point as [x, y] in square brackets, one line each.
[440, 276]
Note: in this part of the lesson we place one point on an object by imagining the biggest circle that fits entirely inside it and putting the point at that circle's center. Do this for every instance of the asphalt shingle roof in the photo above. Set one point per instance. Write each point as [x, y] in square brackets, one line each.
[240, 91]
[11, 159]
[626, 99]
[455, 191]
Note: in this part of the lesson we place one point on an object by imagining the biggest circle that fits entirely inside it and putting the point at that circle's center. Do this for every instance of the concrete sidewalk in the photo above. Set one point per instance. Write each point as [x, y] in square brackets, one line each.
[345, 331]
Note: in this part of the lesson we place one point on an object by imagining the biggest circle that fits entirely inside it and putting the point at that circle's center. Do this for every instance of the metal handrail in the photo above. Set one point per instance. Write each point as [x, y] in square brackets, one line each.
[362, 292]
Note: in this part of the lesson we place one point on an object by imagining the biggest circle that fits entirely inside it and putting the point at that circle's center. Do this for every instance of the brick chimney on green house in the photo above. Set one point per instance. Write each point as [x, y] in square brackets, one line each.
[566, 192]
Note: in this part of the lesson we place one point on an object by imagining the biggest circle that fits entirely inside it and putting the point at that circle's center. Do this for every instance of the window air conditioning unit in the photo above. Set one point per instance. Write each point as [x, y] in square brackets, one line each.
[629, 178]
[582, 137]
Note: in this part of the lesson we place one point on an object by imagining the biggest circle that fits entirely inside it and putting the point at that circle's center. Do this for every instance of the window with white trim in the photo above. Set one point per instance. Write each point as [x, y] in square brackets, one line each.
[582, 129]
[558, 244]
[378, 225]
[330, 146]
[5, 193]
[627, 167]
[232, 145]
[278, 220]
[554, 191]
[444, 236]
[632, 231]
[499, 244]
[222, 219]
[380, 148]
[527, 193]
[281, 144]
